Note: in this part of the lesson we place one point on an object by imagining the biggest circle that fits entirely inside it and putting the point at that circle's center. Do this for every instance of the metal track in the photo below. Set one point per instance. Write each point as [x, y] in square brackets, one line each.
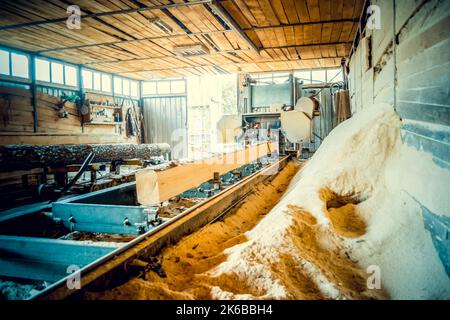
[150, 243]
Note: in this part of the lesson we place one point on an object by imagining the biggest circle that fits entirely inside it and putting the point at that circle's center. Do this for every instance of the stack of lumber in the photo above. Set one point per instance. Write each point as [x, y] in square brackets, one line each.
[341, 106]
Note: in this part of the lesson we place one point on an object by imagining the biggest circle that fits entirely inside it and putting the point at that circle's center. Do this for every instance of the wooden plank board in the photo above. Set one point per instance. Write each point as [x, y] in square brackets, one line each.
[176, 180]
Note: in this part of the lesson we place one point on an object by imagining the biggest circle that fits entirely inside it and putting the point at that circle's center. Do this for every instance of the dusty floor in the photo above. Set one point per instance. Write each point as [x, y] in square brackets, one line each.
[188, 262]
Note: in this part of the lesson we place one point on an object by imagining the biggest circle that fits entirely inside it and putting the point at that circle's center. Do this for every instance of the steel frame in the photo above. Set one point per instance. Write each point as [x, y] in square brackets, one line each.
[46, 259]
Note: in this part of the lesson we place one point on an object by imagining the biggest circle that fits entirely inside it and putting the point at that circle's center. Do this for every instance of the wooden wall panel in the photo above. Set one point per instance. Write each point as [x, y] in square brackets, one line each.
[17, 123]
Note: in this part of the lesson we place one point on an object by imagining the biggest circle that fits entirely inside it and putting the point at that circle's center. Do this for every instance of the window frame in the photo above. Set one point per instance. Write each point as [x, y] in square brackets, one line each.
[171, 92]
[52, 83]
[10, 77]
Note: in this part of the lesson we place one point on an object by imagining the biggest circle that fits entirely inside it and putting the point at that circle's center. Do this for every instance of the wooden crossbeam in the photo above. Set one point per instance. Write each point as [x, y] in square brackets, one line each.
[224, 15]
[170, 36]
[222, 52]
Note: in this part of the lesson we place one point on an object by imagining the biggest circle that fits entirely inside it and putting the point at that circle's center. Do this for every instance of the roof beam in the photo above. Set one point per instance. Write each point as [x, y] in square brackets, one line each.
[299, 24]
[82, 46]
[220, 52]
[227, 64]
[186, 35]
[225, 16]
[104, 14]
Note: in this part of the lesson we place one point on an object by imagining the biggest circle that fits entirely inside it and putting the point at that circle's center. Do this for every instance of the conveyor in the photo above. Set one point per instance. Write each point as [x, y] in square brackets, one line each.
[116, 211]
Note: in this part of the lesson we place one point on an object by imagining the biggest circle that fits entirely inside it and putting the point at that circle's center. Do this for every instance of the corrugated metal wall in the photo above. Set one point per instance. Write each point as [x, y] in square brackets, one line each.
[423, 95]
[412, 72]
[165, 120]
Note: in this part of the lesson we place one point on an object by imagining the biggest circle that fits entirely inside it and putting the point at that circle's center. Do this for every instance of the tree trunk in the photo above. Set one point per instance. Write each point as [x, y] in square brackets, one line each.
[22, 157]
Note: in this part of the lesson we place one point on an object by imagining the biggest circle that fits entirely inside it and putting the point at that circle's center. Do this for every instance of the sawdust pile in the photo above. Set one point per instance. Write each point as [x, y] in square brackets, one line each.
[352, 207]
[343, 213]
[346, 213]
[186, 263]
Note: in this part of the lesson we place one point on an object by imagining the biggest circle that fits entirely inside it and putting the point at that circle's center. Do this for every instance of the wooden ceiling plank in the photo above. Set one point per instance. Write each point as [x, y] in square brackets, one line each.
[299, 35]
[348, 9]
[257, 12]
[291, 11]
[269, 12]
[302, 11]
[337, 9]
[313, 9]
[242, 5]
[279, 10]
[238, 15]
[325, 10]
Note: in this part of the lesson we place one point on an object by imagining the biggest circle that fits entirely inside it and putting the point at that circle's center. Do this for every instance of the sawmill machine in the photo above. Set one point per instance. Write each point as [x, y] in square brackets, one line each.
[291, 126]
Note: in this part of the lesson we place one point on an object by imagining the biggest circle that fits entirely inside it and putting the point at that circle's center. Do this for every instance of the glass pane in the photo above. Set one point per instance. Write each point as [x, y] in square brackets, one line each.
[19, 65]
[126, 87]
[42, 70]
[57, 73]
[304, 76]
[281, 79]
[106, 82]
[149, 87]
[178, 87]
[164, 87]
[334, 75]
[97, 78]
[4, 62]
[117, 85]
[87, 79]
[318, 76]
[71, 76]
[134, 89]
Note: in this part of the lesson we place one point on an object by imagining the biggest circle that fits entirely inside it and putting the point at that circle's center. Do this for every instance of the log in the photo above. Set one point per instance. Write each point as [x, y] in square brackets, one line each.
[22, 157]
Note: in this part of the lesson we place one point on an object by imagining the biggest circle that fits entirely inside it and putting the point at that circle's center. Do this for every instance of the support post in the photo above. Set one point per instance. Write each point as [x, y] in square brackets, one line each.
[32, 73]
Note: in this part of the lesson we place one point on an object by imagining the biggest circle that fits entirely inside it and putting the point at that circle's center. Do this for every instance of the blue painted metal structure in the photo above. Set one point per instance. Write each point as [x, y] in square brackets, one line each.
[439, 227]
[46, 259]
[103, 211]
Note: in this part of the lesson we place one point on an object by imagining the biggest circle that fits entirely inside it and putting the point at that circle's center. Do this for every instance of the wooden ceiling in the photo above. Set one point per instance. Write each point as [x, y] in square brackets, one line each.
[287, 34]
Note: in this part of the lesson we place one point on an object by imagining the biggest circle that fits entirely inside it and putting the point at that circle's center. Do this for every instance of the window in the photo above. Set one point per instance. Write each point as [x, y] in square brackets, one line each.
[97, 81]
[126, 87]
[71, 75]
[175, 86]
[42, 70]
[4, 62]
[304, 76]
[48, 70]
[134, 92]
[87, 79]
[318, 76]
[57, 73]
[334, 75]
[117, 85]
[149, 87]
[106, 82]
[164, 87]
[19, 64]
[178, 86]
